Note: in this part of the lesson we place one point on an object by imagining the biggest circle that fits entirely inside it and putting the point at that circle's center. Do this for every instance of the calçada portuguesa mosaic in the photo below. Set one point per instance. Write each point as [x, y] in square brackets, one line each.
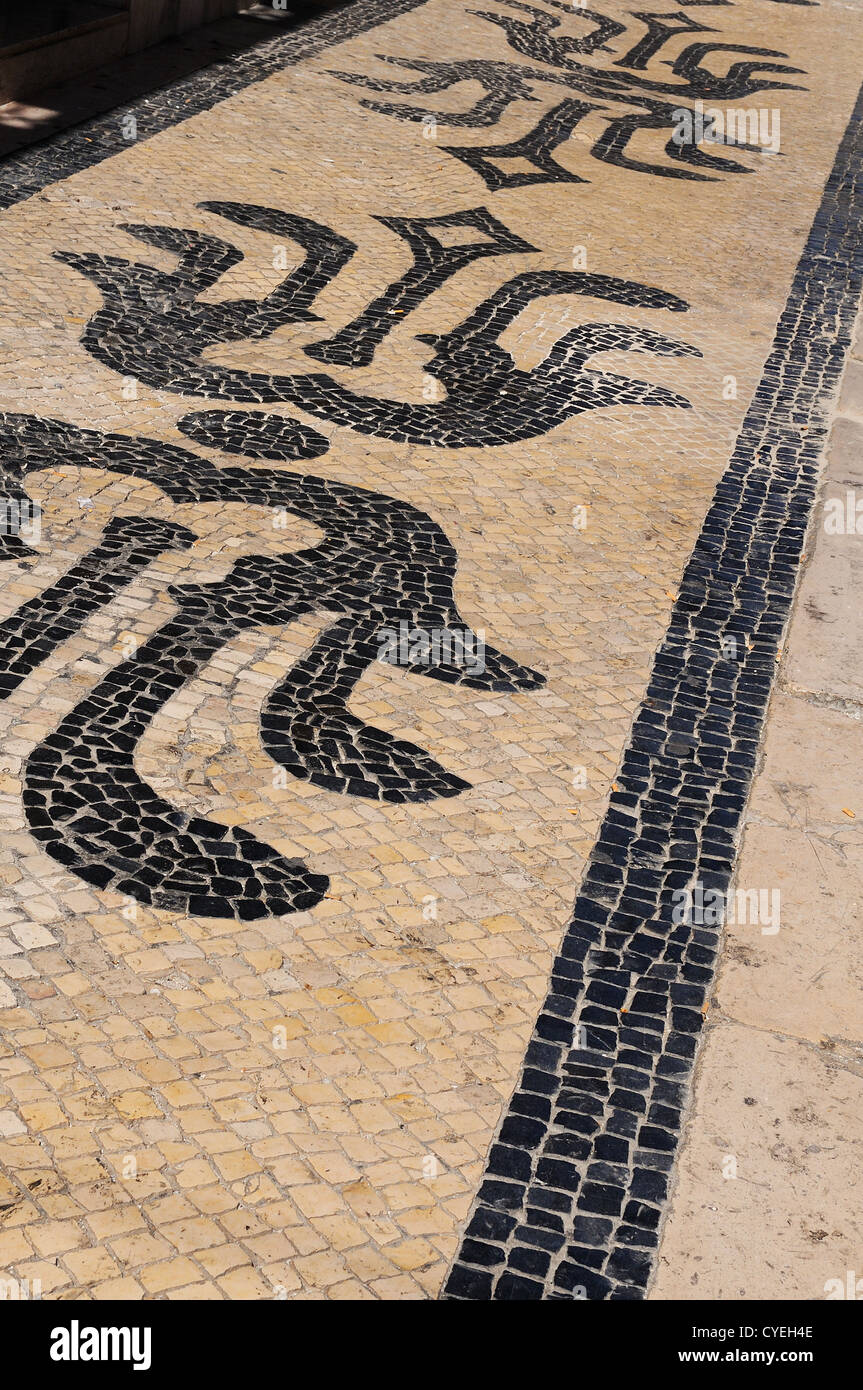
[396, 425]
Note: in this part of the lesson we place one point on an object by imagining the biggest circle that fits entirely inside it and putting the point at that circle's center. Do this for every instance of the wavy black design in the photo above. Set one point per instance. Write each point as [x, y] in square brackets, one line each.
[659, 102]
[276, 437]
[381, 566]
[152, 326]
[39, 626]
[92, 812]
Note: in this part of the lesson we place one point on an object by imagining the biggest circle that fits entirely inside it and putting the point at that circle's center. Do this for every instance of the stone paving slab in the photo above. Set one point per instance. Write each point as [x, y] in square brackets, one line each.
[418, 322]
[767, 1202]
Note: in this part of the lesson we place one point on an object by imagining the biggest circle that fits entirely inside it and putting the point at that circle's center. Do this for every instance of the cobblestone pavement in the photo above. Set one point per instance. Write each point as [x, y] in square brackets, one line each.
[411, 344]
[777, 1098]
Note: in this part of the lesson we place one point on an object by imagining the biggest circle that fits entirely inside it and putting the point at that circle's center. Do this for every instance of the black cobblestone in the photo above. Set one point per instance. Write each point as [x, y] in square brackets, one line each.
[675, 814]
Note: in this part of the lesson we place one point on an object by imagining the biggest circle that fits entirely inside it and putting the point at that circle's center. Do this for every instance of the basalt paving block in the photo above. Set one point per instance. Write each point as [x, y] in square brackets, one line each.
[380, 568]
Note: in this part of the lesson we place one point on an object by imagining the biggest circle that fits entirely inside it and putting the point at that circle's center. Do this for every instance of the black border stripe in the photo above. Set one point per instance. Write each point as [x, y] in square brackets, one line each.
[576, 1180]
[57, 157]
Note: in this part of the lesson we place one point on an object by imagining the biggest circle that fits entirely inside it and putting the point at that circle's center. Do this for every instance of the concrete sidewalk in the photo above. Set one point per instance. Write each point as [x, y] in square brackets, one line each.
[767, 1202]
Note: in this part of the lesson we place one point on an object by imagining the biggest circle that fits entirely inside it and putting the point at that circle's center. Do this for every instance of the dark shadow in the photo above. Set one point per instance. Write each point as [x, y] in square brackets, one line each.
[40, 18]
[55, 109]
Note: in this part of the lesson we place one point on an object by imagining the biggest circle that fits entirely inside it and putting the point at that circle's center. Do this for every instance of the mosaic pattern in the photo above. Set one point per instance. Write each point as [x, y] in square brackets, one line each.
[153, 328]
[542, 39]
[575, 1184]
[84, 800]
[26, 174]
[277, 916]
[382, 563]
[40, 626]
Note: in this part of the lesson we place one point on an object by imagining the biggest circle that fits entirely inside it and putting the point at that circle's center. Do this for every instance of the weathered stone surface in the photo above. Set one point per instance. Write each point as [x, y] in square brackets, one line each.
[306, 355]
